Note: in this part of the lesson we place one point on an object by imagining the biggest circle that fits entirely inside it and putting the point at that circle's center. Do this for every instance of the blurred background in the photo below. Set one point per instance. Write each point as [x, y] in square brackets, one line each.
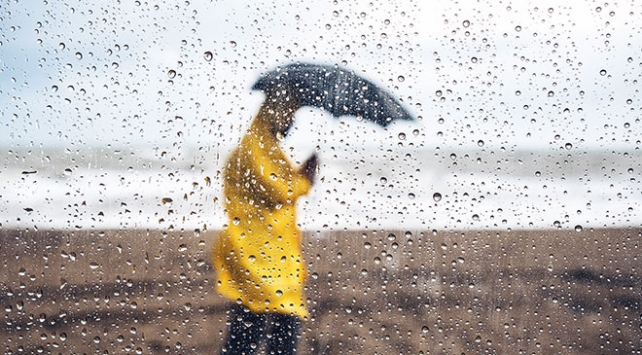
[528, 112]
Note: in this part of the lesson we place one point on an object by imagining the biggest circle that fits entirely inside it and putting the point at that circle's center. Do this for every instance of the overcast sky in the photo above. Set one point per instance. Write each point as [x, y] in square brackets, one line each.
[520, 74]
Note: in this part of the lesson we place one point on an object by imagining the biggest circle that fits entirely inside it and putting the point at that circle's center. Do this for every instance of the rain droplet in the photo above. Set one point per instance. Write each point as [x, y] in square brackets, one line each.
[602, 72]
[568, 146]
[383, 180]
[236, 221]
[402, 136]
[400, 78]
[233, 44]
[466, 23]
[436, 196]
[171, 74]
[480, 143]
[78, 55]
[279, 293]
[208, 56]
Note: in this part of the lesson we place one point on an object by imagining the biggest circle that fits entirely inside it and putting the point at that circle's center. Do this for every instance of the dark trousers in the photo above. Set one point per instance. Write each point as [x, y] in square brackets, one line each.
[248, 329]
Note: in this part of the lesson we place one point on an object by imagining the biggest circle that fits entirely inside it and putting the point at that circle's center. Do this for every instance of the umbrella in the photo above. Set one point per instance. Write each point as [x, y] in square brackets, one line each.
[334, 89]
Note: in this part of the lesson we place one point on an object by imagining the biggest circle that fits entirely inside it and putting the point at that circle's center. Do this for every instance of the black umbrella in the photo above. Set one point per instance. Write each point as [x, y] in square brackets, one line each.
[332, 88]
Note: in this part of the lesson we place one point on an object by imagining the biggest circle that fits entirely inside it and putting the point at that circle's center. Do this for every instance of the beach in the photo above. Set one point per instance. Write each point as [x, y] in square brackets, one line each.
[369, 292]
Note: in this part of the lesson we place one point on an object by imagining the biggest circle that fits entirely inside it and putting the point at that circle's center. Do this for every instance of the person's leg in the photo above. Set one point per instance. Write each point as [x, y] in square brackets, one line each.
[283, 332]
[245, 331]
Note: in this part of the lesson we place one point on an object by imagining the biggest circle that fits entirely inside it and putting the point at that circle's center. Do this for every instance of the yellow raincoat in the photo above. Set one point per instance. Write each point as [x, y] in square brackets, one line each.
[258, 256]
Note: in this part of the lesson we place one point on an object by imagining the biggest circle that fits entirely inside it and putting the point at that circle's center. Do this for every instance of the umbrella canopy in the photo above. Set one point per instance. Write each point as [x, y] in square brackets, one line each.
[337, 90]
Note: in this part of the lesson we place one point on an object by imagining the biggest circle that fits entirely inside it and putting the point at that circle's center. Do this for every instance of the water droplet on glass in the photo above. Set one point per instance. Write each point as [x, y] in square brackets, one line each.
[236, 221]
[466, 23]
[171, 74]
[400, 78]
[279, 293]
[402, 136]
[436, 196]
[568, 146]
[208, 56]
[602, 72]
[578, 228]
[383, 180]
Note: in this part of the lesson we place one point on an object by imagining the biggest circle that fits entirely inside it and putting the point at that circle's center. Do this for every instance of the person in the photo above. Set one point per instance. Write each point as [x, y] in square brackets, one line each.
[258, 255]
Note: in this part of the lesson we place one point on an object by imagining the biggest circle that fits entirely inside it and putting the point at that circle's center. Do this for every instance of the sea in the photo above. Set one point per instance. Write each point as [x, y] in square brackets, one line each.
[395, 186]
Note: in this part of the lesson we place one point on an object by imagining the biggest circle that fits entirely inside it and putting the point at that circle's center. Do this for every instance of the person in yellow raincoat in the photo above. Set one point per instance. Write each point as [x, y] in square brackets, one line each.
[257, 257]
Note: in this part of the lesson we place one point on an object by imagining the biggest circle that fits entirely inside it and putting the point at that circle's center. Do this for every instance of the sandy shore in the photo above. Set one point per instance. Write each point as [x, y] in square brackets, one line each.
[375, 292]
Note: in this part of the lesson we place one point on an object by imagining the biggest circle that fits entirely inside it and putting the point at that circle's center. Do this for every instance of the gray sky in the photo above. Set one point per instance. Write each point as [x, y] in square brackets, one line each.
[522, 74]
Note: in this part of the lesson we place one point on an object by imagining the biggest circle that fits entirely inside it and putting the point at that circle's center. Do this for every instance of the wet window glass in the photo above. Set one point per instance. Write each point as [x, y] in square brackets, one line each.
[328, 177]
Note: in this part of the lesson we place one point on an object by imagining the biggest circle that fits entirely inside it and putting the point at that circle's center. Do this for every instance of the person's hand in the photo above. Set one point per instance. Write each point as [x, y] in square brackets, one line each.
[310, 168]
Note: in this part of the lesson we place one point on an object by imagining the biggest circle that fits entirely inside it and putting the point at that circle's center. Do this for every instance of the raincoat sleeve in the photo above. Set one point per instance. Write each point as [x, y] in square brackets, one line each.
[277, 179]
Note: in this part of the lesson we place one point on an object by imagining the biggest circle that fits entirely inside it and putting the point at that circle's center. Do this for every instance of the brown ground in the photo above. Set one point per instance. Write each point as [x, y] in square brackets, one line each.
[510, 292]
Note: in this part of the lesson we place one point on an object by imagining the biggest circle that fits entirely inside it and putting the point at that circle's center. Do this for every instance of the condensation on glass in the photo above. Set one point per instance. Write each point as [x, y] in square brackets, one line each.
[504, 219]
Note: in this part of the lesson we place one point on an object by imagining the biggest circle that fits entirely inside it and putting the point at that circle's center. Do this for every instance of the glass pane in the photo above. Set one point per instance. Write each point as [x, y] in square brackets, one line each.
[503, 218]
